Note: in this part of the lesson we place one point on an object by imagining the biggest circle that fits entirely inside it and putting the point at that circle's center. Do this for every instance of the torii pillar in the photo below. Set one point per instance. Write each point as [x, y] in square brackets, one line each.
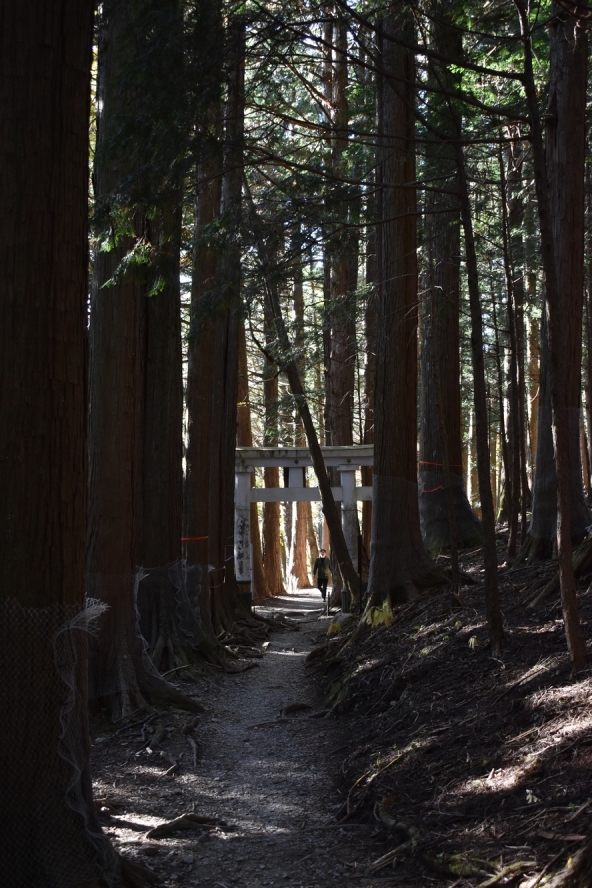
[349, 509]
[242, 533]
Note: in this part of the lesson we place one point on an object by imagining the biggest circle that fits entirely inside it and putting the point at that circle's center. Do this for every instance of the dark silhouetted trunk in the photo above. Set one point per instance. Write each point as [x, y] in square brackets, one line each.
[225, 352]
[50, 828]
[300, 511]
[400, 566]
[440, 345]
[559, 176]
[168, 621]
[244, 438]
[120, 670]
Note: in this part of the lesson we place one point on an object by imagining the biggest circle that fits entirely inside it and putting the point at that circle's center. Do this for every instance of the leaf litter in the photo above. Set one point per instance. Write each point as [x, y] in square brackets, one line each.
[434, 763]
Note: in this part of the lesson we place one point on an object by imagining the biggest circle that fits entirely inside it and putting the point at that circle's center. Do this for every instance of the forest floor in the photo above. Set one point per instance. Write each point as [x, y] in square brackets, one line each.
[436, 764]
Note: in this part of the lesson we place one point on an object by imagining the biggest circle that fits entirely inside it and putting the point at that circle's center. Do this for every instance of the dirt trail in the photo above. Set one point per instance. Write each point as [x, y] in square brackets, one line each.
[273, 780]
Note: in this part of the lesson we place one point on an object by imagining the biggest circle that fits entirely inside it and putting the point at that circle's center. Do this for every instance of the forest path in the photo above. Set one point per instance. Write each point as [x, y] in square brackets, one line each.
[273, 780]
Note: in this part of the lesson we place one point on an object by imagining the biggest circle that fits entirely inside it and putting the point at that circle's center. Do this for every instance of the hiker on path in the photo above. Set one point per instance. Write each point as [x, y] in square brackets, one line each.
[322, 568]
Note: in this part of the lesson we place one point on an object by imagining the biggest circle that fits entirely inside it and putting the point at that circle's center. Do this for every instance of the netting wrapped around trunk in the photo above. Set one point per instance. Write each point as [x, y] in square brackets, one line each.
[434, 510]
[174, 608]
[49, 825]
[196, 578]
[119, 662]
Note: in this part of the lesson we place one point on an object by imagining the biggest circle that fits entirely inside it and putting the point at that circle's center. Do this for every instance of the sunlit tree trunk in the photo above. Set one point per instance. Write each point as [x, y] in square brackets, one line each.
[272, 562]
[300, 511]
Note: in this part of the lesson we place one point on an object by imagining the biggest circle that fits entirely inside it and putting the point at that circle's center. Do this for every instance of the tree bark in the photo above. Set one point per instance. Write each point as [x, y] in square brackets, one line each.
[167, 620]
[225, 358]
[213, 350]
[400, 566]
[272, 557]
[440, 336]
[369, 369]
[203, 330]
[120, 671]
[244, 438]
[301, 510]
[494, 618]
[50, 828]
[559, 178]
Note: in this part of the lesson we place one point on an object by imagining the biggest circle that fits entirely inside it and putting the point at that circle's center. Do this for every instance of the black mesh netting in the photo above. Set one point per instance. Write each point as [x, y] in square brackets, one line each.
[174, 601]
[119, 662]
[50, 832]
[434, 510]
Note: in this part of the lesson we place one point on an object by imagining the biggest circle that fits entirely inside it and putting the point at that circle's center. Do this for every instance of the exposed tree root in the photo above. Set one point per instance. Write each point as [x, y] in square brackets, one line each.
[174, 636]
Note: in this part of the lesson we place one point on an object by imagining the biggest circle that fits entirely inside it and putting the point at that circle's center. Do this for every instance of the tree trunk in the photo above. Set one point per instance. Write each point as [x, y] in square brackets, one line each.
[120, 671]
[494, 618]
[369, 370]
[400, 566]
[212, 383]
[588, 328]
[50, 828]
[440, 337]
[272, 559]
[565, 176]
[244, 438]
[559, 176]
[167, 620]
[225, 356]
[300, 511]
[505, 490]
[201, 344]
[513, 396]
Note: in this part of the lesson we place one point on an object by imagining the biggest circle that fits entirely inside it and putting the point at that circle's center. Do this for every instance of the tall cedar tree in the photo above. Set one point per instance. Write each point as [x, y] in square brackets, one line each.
[50, 827]
[400, 566]
[559, 174]
[565, 134]
[213, 357]
[244, 438]
[440, 395]
[120, 670]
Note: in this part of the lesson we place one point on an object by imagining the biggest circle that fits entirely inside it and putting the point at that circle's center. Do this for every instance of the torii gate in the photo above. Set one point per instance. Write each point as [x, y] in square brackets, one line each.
[295, 459]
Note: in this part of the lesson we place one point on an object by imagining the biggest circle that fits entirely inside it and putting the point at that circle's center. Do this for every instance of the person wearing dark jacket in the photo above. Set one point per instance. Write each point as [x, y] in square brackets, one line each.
[322, 568]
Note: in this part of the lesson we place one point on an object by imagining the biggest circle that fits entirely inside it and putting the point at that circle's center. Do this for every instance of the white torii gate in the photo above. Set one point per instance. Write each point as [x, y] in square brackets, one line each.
[295, 459]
